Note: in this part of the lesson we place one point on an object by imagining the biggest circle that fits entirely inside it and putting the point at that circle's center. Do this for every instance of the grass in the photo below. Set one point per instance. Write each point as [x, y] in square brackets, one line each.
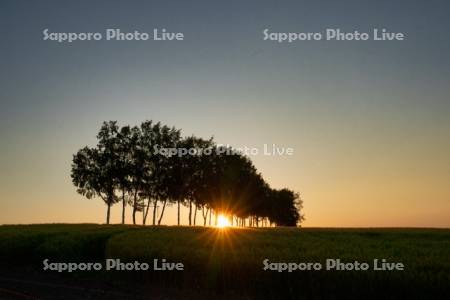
[230, 260]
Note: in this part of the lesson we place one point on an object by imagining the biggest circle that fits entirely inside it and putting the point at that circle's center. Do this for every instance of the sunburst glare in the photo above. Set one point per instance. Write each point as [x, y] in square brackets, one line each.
[222, 221]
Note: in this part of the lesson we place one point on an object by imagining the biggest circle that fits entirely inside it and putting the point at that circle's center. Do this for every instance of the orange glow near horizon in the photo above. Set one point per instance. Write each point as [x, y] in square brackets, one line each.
[222, 221]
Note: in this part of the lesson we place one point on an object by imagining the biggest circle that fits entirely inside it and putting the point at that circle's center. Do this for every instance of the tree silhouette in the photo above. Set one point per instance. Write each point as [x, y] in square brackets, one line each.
[94, 171]
[129, 161]
[124, 169]
[284, 210]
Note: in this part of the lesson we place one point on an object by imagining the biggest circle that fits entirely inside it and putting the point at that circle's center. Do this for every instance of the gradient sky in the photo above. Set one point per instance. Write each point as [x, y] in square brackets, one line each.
[368, 120]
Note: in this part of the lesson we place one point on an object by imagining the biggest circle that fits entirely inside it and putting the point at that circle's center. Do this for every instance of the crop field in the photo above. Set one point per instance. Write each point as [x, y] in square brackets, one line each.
[223, 263]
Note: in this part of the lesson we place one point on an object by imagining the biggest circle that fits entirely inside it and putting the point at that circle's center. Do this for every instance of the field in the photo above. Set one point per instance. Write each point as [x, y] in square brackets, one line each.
[221, 263]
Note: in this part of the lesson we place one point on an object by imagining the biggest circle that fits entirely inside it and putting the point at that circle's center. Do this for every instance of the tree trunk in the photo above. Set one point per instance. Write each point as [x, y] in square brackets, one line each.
[205, 215]
[195, 214]
[134, 207]
[210, 212]
[162, 211]
[178, 214]
[190, 212]
[145, 212]
[108, 213]
[154, 211]
[124, 204]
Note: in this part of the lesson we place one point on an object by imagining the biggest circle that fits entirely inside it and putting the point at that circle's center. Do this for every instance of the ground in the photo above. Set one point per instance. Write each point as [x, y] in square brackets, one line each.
[221, 263]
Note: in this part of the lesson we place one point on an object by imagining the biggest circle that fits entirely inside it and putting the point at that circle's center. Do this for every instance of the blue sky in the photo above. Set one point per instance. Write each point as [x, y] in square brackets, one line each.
[368, 120]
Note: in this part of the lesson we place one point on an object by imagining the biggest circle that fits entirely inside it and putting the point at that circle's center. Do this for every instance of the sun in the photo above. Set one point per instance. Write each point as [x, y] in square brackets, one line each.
[222, 221]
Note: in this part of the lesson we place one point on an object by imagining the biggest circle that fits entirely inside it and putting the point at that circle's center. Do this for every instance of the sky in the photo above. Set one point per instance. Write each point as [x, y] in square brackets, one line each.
[368, 120]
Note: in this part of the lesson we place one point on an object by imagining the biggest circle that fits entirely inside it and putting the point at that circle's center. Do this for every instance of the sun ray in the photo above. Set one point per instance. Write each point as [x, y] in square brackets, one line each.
[222, 221]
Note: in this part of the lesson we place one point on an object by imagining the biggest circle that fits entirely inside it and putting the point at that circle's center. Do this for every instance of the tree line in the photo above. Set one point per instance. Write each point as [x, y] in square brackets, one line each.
[149, 166]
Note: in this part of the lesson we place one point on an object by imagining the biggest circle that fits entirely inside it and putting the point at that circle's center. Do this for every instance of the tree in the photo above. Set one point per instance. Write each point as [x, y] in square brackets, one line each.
[192, 172]
[91, 175]
[137, 169]
[167, 179]
[285, 206]
[124, 170]
[172, 183]
[96, 171]
[135, 163]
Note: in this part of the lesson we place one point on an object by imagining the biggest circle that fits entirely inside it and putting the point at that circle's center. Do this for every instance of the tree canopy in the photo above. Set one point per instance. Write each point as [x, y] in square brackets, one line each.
[151, 164]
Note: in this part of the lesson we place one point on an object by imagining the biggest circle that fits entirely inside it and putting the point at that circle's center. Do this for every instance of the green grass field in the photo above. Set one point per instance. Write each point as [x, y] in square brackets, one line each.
[230, 262]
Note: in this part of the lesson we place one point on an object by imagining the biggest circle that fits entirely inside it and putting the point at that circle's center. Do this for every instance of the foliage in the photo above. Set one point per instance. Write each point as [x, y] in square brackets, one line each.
[128, 165]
